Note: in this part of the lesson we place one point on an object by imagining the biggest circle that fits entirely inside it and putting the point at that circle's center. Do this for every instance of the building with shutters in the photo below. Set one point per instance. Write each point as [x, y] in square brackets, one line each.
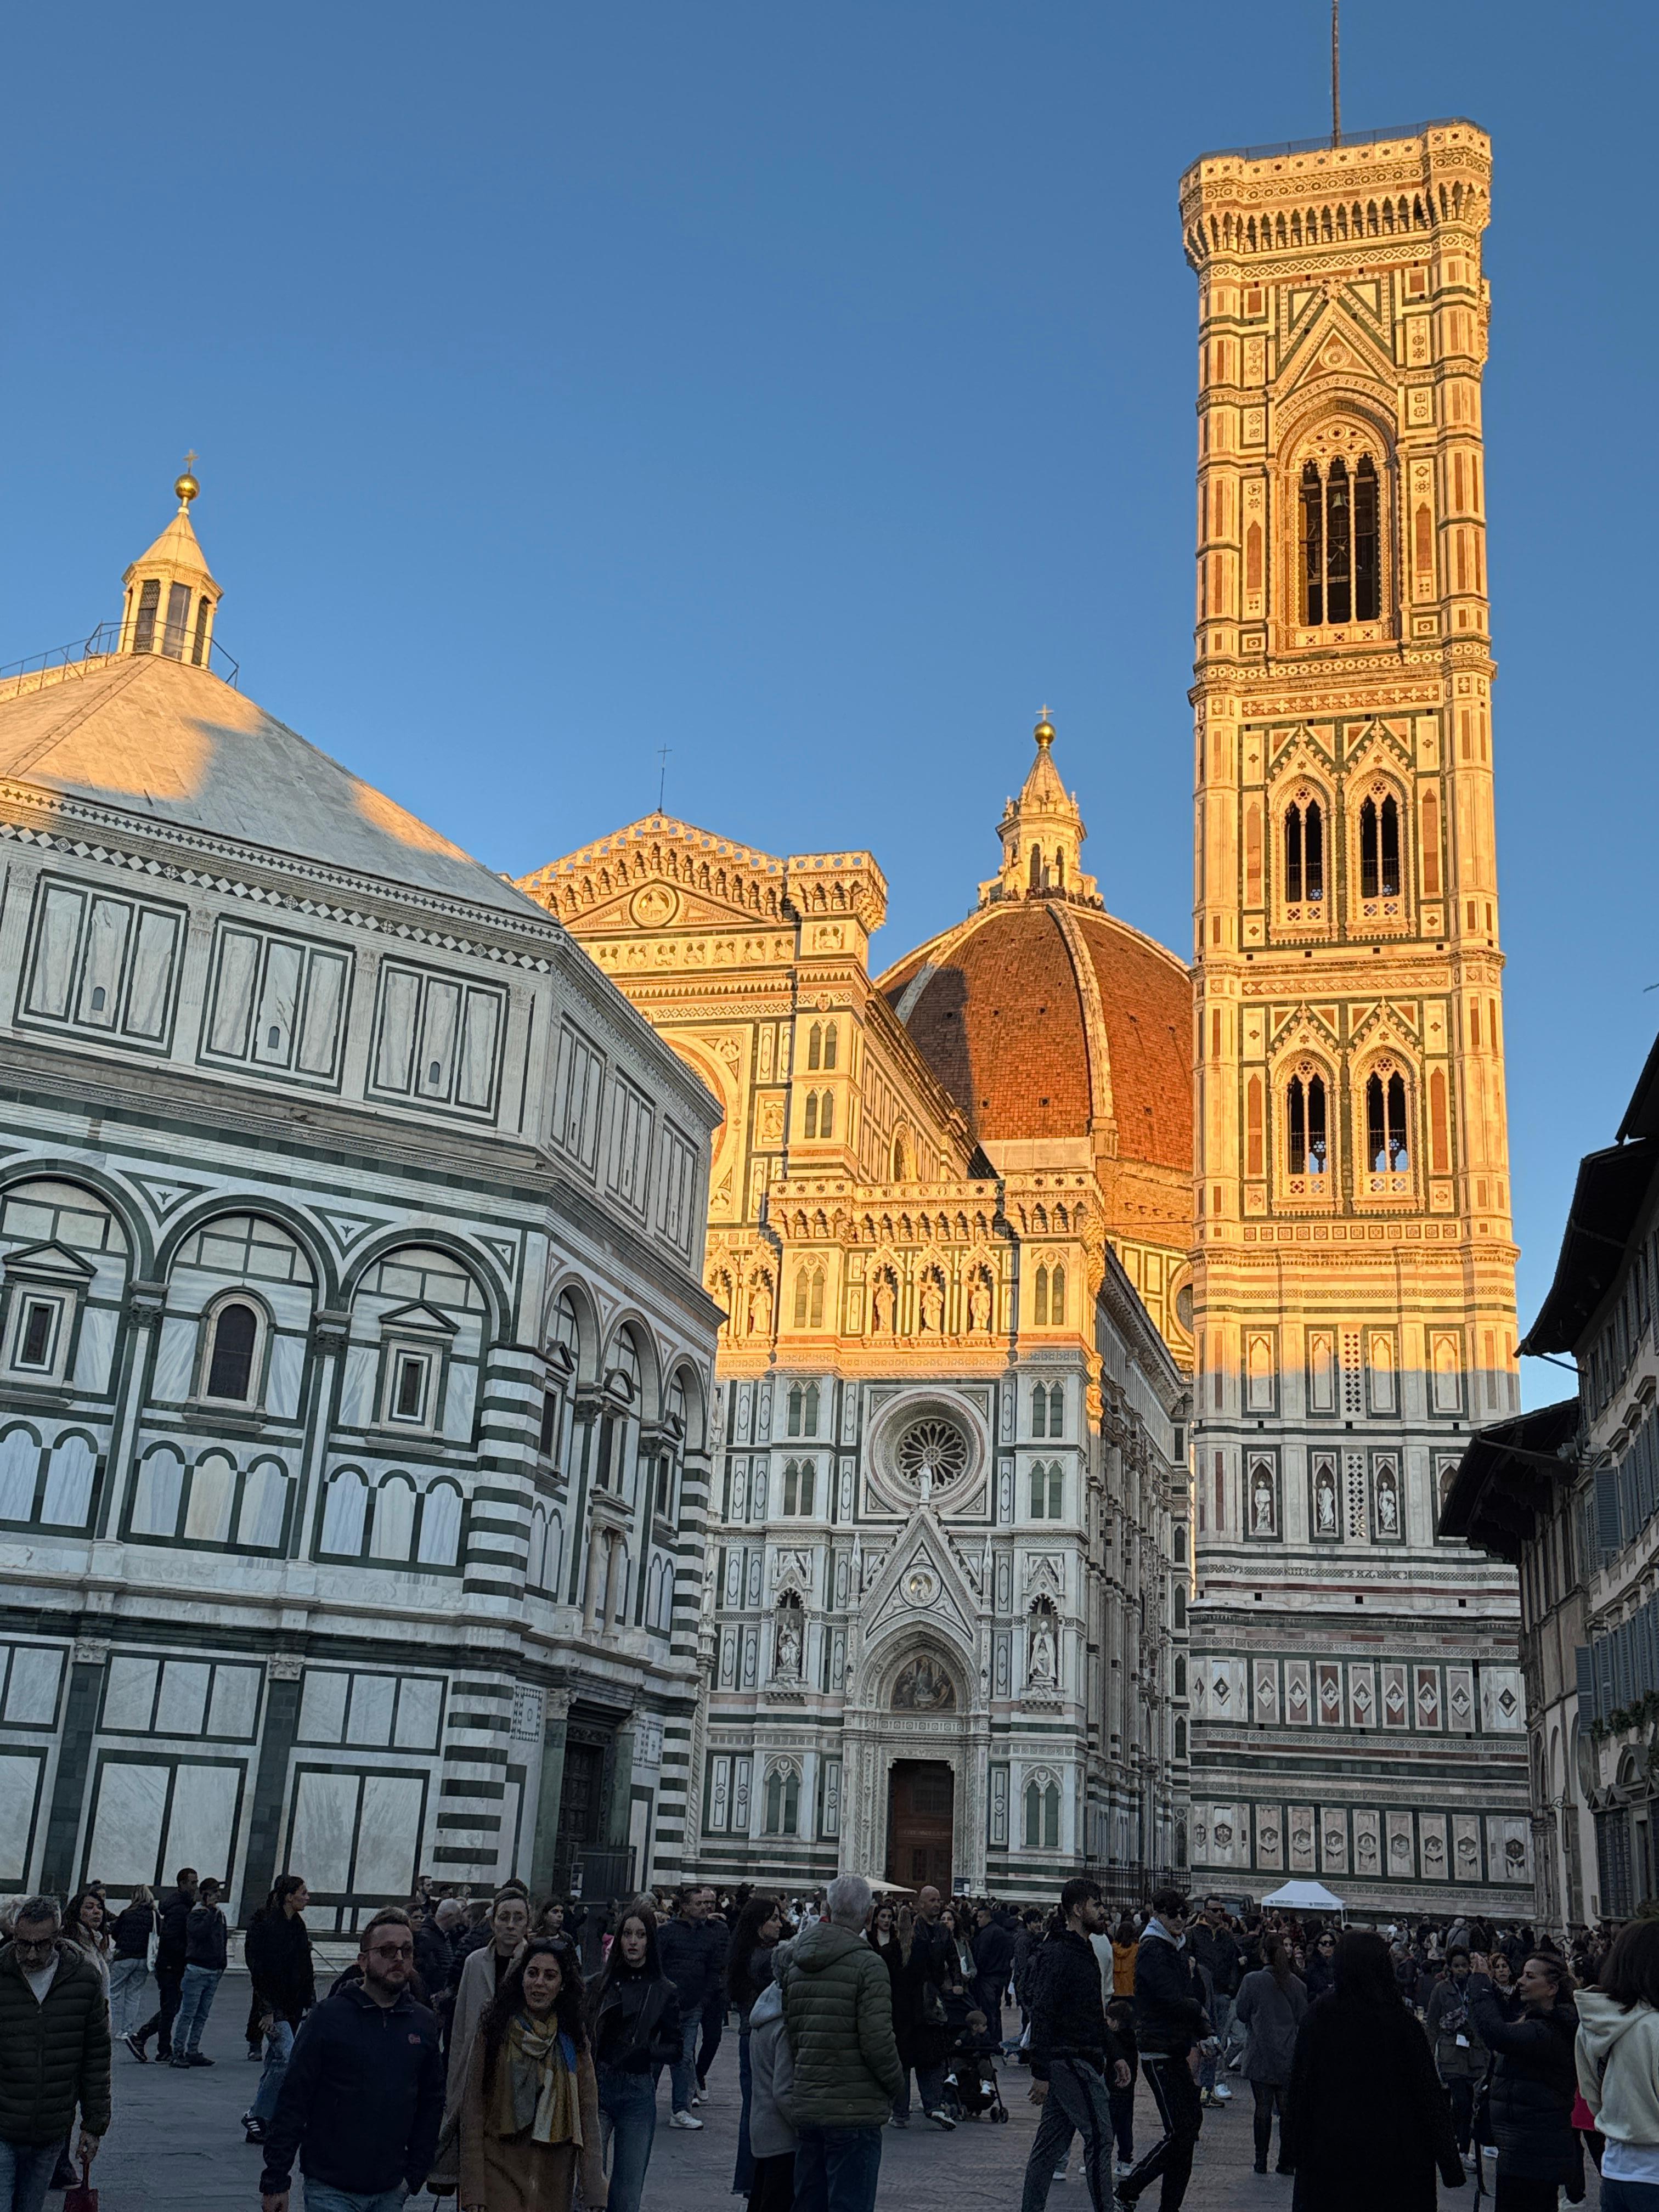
[355, 1359]
[944, 1631]
[1569, 1496]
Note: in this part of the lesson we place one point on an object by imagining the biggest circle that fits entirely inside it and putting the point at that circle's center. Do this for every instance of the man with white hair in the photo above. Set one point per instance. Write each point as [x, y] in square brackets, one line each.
[838, 2016]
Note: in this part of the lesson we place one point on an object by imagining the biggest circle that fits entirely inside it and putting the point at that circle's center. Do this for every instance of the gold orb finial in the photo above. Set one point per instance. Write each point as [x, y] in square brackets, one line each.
[186, 487]
[1044, 731]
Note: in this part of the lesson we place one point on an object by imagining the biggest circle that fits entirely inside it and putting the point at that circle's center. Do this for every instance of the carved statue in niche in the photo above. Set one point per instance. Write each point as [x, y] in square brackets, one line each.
[1262, 1516]
[759, 1307]
[1324, 1499]
[1040, 1672]
[979, 1306]
[933, 1306]
[789, 1641]
[881, 1305]
[1388, 1502]
[924, 1686]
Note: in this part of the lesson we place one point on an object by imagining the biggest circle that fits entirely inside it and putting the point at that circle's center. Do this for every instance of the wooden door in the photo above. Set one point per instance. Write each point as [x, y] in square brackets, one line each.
[921, 1809]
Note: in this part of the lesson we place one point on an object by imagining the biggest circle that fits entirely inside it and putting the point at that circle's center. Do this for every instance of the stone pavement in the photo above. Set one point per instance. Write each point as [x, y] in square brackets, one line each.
[176, 2146]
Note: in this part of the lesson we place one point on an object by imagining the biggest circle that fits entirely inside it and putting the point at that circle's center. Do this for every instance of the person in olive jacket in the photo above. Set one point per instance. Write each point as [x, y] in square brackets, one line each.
[54, 2053]
[838, 2016]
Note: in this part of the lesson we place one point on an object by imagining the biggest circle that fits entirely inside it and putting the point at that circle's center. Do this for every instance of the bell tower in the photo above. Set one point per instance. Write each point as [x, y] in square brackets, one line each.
[1354, 1297]
[171, 596]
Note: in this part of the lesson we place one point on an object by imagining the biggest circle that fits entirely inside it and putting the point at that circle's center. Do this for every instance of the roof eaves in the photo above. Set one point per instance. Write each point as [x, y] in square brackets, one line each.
[1609, 1198]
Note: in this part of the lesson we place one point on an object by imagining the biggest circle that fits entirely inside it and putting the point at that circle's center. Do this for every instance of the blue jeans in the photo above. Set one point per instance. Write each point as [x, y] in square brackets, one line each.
[930, 2087]
[25, 2170]
[279, 2043]
[319, 2197]
[194, 2003]
[837, 2169]
[628, 2123]
[683, 2074]
[1630, 2196]
[1221, 2015]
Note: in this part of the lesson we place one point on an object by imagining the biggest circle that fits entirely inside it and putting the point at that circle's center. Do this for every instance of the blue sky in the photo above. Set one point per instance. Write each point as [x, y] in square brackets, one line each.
[810, 391]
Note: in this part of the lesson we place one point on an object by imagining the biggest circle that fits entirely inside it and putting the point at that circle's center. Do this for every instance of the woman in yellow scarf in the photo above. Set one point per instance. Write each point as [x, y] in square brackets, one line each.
[530, 2112]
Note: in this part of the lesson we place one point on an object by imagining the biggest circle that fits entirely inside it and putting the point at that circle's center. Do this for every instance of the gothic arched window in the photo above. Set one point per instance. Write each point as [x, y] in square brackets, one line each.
[1385, 1125]
[1379, 849]
[829, 1044]
[814, 1045]
[826, 1115]
[1056, 1297]
[1039, 1410]
[230, 1367]
[1340, 542]
[1304, 853]
[1306, 1151]
[1056, 1410]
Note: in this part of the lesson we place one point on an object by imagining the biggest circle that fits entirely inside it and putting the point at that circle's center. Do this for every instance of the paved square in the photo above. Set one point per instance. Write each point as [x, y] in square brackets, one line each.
[176, 2142]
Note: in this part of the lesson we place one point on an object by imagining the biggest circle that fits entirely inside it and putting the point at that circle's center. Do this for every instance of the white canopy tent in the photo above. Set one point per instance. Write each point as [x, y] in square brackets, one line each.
[1305, 1897]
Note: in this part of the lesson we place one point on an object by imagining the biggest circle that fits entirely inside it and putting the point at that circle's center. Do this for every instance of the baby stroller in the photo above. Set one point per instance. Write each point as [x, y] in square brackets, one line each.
[971, 2088]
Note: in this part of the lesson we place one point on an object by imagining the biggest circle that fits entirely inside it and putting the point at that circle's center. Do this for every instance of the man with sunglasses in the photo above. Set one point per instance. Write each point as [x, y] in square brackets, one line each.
[54, 2054]
[363, 2097]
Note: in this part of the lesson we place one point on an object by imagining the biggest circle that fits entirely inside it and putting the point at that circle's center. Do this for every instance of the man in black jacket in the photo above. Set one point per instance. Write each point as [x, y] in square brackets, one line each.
[692, 1948]
[207, 1950]
[1169, 2019]
[1076, 2059]
[174, 1910]
[362, 2100]
[993, 1954]
[1221, 1962]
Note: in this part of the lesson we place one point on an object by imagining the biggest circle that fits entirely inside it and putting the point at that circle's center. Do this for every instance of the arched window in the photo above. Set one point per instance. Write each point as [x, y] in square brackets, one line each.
[1341, 571]
[1179, 1737]
[810, 1126]
[1039, 1491]
[230, 1366]
[1180, 1676]
[900, 1159]
[1036, 867]
[783, 1801]
[1304, 853]
[1181, 1543]
[1056, 1492]
[1379, 849]
[567, 1328]
[1039, 1410]
[815, 1045]
[1056, 1297]
[826, 1115]
[1040, 1299]
[1385, 1125]
[829, 1044]
[1042, 1816]
[803, 1290]
[1056, 1410]
[1304, 1119]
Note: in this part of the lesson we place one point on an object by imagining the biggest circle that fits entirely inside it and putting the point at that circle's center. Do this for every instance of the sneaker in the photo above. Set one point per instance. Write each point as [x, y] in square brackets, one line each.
[685, 2120]
[255, 2132]
[1124, 2165]
[702, 2089]
[180, 2063]
[1059, 2174]
[135, 2045]
[901, 2119]
[256, 2053]
[198, 2058]
[1221, 2095]
[941, 2118]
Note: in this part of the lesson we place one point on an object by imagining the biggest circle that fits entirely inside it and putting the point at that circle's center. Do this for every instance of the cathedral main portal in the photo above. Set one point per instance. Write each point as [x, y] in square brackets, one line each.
[921, 1814]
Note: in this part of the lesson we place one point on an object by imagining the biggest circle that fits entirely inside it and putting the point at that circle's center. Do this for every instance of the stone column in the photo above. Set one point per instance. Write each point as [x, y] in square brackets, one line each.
[68, 1788]
[591, 1597]
[545, 1846]
[282, 1725]
[617, 1586]
[144, 1304]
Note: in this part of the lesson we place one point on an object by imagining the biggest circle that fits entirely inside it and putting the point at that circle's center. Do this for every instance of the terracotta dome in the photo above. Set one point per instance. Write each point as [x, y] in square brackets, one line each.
[1046, 1018]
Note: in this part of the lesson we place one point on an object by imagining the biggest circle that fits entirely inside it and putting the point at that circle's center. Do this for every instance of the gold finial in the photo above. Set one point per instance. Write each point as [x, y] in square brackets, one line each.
[187, 488]
[1044, 731]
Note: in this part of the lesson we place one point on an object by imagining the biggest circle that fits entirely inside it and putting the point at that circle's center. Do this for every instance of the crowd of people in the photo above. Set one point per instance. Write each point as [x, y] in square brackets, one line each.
[508, 2056]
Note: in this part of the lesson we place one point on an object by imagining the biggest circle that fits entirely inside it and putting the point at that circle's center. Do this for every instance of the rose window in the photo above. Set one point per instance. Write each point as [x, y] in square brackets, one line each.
[934, 1450]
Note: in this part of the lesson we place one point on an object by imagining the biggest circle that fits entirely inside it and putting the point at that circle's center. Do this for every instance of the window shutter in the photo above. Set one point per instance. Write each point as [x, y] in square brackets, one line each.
[1607, 1509]
[1586, 1681]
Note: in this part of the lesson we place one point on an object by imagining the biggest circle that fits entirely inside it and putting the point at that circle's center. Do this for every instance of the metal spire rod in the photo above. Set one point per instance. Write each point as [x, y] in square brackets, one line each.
[1336, 74]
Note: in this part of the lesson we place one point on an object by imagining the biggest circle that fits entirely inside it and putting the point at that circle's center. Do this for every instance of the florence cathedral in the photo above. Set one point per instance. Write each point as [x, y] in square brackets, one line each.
[584, 1379]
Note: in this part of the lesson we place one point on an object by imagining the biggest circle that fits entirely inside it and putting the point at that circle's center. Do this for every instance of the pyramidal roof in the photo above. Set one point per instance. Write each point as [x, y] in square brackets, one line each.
[153, 736]
[177, 547]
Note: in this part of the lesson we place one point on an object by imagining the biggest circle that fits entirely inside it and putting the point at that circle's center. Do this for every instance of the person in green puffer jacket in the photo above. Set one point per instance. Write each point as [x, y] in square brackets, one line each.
[838, 2016]
[54, 2047]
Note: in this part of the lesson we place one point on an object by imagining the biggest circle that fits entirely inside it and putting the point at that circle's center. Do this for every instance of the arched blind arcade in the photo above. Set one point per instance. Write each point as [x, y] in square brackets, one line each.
[1341, 568]
[1306, 1149]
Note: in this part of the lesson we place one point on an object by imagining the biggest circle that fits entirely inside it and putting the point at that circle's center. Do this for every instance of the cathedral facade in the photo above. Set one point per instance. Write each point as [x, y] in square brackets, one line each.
[945, 1626]
[1359, 1707]
[354, 1359]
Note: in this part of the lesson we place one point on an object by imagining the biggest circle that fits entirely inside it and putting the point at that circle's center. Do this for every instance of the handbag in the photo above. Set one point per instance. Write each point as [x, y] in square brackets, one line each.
[82, 2197]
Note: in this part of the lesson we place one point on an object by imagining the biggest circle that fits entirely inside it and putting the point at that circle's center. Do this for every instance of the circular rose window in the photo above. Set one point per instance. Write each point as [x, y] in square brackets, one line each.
[933, 1451]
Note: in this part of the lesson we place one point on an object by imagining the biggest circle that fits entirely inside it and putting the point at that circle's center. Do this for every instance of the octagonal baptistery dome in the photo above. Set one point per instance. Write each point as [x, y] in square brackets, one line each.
[1066, 1036]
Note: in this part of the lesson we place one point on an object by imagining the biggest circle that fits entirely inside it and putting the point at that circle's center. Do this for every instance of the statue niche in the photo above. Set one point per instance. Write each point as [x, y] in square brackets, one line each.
[924, 1686]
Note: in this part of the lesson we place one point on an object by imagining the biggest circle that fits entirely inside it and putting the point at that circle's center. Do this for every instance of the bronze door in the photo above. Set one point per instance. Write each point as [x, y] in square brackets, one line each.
[921, 1804]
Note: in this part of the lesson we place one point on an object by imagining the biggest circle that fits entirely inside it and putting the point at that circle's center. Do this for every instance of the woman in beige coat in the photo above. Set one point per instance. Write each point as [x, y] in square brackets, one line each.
[482, 1973]
[530, 2111]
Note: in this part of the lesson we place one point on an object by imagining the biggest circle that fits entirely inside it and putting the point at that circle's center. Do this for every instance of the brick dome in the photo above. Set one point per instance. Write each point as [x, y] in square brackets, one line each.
[1045, 1017]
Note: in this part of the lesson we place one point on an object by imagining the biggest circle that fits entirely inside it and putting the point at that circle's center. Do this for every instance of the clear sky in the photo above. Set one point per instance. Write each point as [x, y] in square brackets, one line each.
[809, 390]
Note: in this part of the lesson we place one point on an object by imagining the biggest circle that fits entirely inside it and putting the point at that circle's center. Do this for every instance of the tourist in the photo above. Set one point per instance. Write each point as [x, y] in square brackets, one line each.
[128, 1968]
[530, 2114]
[1027, 1944]
[1531, 2034]
[484, 1970]
[1076, 2060]
[54, 2054]
[206, 1952]
[692, 1947]
[1125, 1942]
[1365, 2122]
[772, 2137]
[173, 1917]
[838, 2014]
[1221, 1962]
[921, 2018]
[1618, 2066]
[1269, 2008]
[434, 1953]
[277, 1953]
[359, 2107]
[759, 1925]
[1321, 1977]
[993, 1957]
[1171, 2023]
[634, 2029]
[1459, 2054]
[1121, 2095]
